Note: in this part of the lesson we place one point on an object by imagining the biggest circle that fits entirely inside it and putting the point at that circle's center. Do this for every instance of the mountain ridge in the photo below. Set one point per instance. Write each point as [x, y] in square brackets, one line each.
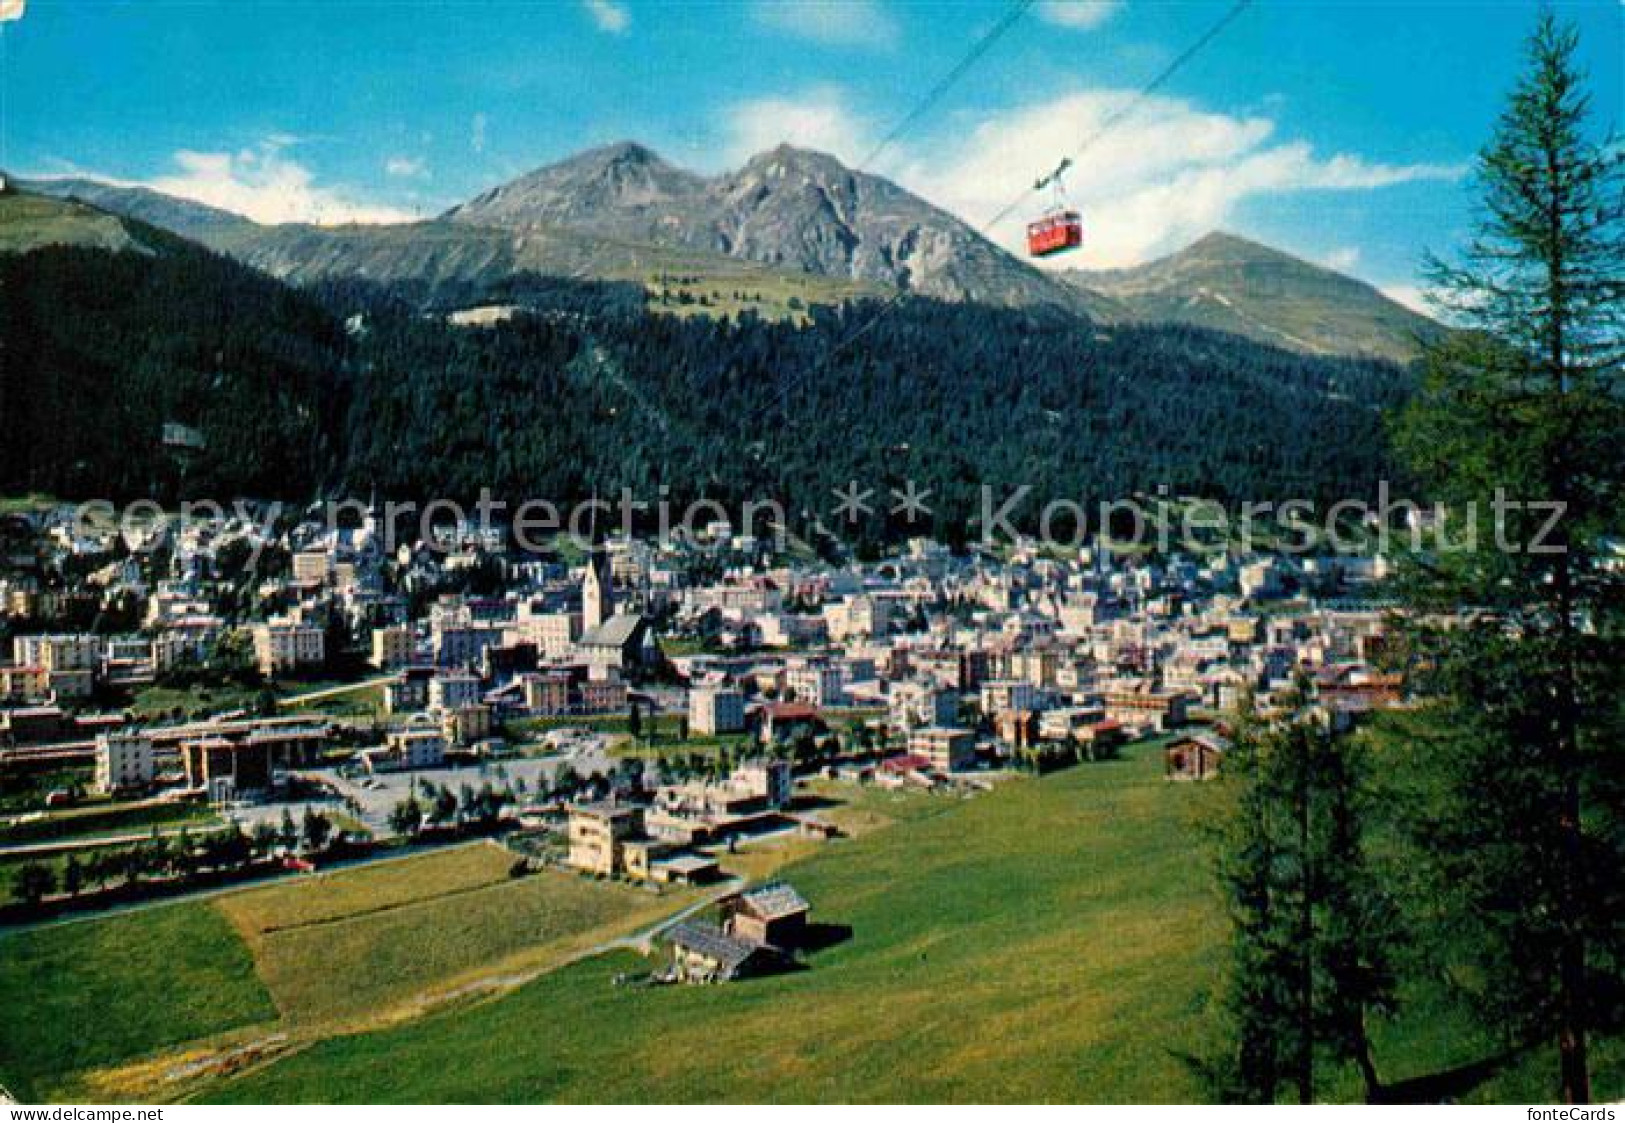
[623, 212]
[786, 207]
[1236, 284]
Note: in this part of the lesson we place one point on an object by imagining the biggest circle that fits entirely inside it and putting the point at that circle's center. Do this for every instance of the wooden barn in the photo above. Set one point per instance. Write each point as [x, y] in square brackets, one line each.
[704, 953]
[1197, 757]
[772, 914]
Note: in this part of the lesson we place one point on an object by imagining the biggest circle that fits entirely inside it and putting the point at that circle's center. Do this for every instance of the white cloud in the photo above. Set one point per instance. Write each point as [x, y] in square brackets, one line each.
[1344, 259]
[609, 16]
[845, 23]
[476, 132]
[818, 118]
[267, 185]
[1411, 296]
[1167, 175]
[407, 167]
[1080, 15]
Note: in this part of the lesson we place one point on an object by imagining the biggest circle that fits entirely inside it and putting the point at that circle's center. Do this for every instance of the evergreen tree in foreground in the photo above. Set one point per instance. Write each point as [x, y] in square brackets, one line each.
[1517, 750]
[1311, 926]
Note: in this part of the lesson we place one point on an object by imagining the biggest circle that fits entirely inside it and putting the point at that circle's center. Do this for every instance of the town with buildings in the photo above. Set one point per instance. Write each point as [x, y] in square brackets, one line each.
[630, 710]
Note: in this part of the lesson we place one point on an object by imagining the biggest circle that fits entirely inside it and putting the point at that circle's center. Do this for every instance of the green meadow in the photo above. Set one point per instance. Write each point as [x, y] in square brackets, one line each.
[90, 993]
[1054, 940]
[1051, 940]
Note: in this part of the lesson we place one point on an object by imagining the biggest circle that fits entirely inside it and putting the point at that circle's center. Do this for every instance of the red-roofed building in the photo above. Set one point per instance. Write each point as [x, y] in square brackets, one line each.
[784, 721]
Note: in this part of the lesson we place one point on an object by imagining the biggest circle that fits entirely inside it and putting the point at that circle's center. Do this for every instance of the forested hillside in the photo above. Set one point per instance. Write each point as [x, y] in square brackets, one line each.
[357, 389]
[102, 350]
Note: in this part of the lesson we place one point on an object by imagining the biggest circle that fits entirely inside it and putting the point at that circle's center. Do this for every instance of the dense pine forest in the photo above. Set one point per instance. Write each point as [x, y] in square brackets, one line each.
[356, 389]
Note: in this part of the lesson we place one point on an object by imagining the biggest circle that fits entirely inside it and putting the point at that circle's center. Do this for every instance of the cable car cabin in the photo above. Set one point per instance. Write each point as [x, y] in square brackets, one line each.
[1055, 233]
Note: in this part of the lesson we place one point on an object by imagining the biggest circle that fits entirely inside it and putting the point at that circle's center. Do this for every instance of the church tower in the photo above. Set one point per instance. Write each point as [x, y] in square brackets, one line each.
[597, 592]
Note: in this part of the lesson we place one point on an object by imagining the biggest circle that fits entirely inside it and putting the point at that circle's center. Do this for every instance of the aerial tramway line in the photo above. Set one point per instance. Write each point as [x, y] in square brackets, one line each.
[1059, 228]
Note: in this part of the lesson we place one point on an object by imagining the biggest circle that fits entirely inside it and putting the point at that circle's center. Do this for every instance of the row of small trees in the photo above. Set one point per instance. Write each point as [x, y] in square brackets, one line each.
[439, 807]
[181, 856]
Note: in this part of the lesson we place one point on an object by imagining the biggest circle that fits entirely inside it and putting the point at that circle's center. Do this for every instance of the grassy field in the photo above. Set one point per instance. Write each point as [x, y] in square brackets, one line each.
[1050, 940]
[86, 994]
[107, 1009]
[163, 702]
[28, 222]
[361, 702]
[354, 945]
[22, 792]
[26, 504]
[1055, 939]
[664, 726]
[729, 292]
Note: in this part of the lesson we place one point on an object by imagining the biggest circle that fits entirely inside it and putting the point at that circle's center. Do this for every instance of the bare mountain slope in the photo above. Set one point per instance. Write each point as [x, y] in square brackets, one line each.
[1226, 282]
[790, 208]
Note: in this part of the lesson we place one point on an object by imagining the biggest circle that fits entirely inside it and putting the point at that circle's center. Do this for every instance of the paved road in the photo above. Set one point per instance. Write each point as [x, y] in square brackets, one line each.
[332, 692]
[643, 941]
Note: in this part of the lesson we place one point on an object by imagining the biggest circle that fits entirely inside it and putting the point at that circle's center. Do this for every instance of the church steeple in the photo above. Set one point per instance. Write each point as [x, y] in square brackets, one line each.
[597, 592]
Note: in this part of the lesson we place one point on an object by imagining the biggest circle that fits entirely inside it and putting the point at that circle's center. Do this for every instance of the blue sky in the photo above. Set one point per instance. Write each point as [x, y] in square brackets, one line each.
[1339, 131]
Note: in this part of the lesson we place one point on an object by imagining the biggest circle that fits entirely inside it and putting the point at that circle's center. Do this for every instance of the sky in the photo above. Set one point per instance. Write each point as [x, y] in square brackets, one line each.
[1343, 132]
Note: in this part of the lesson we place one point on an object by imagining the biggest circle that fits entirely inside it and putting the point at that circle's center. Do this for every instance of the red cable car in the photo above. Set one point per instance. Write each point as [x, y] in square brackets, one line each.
[1056, 232]
[1059, 229]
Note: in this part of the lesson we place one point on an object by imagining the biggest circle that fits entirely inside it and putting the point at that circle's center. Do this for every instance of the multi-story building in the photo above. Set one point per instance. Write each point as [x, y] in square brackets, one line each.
[917, 704]
[409, 691]
[554, 633]
[602, 696]
[1143, 706]
[228, 764]
[466, 724]
[312, 567]
[1008, 695]
[72, 686]
[781, 629]
[547, 694]
[392, 647]
[769, 779]
[598, 834]
[462, 645]
[948, 749]
[1063, 724]
[860, 616]
[283, 647]
[124, 762]
[185, 639]
[24, 684]
[420, 745]
[814, 681]
[59, 653]
[715, 709]
[452, 690]
[64, 667]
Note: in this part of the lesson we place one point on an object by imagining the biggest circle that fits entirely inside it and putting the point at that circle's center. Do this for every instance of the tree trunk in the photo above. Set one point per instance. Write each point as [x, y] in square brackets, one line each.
[1571, 1030]
[1306, 937]
[1368, 1066]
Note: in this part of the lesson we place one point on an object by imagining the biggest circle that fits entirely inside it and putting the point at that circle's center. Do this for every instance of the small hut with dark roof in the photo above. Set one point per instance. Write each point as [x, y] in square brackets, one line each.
[704, 953]
[773, 913]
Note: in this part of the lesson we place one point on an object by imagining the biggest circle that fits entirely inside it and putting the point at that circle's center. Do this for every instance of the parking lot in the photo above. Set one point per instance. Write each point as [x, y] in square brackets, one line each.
[378, 794]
